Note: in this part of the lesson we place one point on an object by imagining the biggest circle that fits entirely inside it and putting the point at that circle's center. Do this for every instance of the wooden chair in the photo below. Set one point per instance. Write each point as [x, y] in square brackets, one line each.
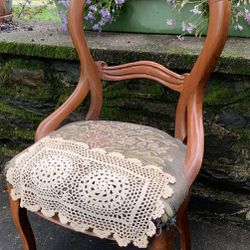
[189, 120]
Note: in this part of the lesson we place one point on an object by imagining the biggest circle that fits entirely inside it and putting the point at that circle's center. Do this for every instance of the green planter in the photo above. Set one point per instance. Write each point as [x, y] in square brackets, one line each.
[149, 16]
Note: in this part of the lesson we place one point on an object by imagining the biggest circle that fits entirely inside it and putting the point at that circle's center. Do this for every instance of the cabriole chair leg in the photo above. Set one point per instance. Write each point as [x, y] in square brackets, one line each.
[164, 241]
[20, 218]
[183, 228]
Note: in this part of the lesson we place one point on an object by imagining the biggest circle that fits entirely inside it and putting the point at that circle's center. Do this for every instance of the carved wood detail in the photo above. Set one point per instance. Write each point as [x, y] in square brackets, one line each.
[142, 69]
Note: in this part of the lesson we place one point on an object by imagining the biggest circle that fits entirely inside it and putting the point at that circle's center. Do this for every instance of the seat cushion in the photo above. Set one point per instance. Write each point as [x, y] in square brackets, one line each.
[120, 160]
[149, 145]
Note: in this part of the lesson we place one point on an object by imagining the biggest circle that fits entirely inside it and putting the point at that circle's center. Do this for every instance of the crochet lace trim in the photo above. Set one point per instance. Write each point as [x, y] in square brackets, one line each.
[89, 188]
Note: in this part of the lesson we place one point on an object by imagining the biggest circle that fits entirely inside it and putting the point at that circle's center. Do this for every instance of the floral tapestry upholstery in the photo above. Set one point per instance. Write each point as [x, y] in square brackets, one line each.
[135, 143]
[148, 144]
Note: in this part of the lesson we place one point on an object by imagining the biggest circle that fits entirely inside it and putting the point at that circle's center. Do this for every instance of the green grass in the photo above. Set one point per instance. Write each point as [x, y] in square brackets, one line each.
[37, 13]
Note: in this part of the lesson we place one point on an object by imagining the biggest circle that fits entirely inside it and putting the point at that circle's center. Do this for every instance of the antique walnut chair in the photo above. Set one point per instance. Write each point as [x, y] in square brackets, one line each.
[117, 180]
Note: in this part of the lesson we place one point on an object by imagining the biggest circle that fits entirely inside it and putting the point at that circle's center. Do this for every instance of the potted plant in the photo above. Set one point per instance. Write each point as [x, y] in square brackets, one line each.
[157, 16]
[5, 10]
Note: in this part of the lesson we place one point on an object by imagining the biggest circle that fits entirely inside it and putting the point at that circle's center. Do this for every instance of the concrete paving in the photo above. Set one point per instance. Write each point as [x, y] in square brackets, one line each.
[43, 39]
[206, 235]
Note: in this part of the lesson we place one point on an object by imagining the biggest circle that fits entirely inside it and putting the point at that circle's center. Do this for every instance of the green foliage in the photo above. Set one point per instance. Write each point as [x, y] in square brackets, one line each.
[37, 13]
[240, 14]
[5, 72]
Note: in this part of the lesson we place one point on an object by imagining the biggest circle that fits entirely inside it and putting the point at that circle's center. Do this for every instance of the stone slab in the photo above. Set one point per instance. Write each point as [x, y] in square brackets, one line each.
[43, 39]
[31, 87]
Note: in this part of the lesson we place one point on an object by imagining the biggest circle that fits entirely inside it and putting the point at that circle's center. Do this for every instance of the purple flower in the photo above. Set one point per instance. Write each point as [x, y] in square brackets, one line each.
[96, 27]
[102, 12]
[89, 16]
[188, 27]
[92, 8]
[119, 2]
[196, 10]
[247, 16]
[238, 27]
[170, 22]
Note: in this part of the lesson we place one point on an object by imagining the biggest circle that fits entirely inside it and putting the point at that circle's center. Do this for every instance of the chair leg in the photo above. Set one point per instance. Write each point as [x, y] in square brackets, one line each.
[182, 224]
[165, 241]
[20, 218]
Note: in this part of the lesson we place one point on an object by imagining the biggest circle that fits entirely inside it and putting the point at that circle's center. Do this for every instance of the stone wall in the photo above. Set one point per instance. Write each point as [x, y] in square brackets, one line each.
[30, 89]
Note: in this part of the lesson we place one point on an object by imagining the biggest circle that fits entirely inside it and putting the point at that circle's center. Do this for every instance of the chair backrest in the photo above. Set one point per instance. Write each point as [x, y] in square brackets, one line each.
[189, 121]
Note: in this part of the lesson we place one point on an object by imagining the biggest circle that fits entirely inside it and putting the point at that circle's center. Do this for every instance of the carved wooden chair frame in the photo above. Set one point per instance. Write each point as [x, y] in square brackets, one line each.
[189, 120]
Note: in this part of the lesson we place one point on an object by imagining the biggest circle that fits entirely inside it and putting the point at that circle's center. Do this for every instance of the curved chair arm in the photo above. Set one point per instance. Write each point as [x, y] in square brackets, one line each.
[89, 78]
[189, 120]
[54, 120]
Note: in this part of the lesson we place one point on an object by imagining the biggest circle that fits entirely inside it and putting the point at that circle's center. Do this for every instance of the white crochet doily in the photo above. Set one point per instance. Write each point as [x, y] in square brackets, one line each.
[91, 189]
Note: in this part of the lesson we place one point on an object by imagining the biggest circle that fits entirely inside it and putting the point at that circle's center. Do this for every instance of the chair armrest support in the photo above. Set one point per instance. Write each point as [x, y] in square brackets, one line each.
[189, 117]
[54, 120]
[89, 77]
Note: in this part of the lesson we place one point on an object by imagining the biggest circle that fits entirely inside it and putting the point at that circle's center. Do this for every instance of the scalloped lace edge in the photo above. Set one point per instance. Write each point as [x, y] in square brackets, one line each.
[141, 241]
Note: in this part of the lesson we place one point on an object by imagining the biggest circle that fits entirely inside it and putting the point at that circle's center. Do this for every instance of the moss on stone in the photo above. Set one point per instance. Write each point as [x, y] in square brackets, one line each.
[243, 105]
[5, 70]
[50, 89]
[243, 138]
[16, 112]
[29, 93]
[52, 43]
[218, 94]
[176, 56]
[21, 63]
[139, 89]
[64, 95]
[114, 90]
[231, 63]
[156, 90]
[221, 95]
[10, 152]
[26, 134]
[38, 50]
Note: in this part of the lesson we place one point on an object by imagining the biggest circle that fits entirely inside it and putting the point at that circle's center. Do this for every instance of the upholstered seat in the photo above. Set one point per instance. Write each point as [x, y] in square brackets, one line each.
[147, 145]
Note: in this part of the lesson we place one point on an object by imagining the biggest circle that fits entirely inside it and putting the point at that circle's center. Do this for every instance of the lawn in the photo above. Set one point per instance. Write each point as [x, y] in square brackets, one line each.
[36, 11]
